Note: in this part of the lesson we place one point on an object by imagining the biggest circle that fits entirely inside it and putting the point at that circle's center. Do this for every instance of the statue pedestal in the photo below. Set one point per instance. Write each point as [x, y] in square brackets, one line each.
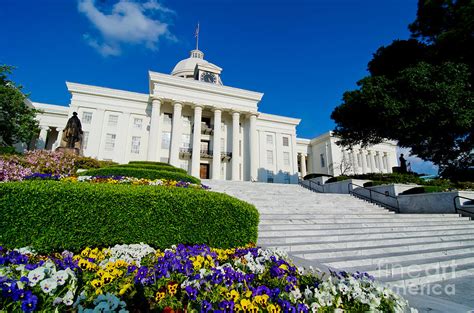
[75, 151]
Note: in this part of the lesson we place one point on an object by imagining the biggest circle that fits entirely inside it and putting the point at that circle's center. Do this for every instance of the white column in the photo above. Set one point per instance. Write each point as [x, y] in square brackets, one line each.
[216, 149]
[57, 143]
[253, 148]
[354, 162]
[124, 137]
[387, 162]
[176, 134]
[41, 142]
[154, 139]
[235, 145]
[371, 162]
[303, 165]
[196, 154]
[363, 161]
[379, 161]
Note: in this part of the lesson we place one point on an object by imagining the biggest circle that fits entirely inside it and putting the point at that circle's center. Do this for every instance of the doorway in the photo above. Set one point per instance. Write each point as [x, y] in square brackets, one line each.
[204, 171]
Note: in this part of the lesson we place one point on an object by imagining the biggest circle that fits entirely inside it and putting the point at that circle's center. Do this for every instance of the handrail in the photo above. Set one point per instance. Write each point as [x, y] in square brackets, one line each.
[456, 209]
[371, 199]
[310, 186]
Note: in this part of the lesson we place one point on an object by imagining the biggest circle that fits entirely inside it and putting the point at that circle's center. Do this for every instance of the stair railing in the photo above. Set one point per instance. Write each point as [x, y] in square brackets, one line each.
[371, 199]
[311, 185]
[457, 209]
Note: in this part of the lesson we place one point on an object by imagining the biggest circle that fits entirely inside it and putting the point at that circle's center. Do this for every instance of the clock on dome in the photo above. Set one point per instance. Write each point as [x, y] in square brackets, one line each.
[208, 77]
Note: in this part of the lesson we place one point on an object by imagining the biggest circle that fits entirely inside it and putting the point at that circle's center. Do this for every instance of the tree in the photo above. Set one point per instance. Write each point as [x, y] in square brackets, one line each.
[420, 91]
[17, 119]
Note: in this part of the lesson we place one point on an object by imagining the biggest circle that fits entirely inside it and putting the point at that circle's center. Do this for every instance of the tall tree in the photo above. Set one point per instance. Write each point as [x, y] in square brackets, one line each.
[17, 119]
[419, 91]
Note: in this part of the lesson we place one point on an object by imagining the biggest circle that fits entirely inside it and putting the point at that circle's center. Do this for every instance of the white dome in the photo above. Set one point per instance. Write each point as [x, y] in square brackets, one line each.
[185, 68]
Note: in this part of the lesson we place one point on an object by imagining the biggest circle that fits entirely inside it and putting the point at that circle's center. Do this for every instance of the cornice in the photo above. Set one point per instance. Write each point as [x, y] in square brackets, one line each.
[279, 118]
[51, 108]
[186, 83]
[107, 92]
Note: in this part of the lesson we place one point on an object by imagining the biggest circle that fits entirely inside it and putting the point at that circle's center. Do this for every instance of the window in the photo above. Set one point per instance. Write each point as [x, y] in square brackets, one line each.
[269, 139]
[323, 161]
[187, 121]
[376, 159]
[167, 118]
[86, 117]
[166, 140]
[113, 120]
[110, 142]
[223, 145]
[286, 158]
[137, 123]
[285, 142]
[85, 139]
[240, 147]
[269, 157]
[205, 146]
[359, 160]
[135, 145]
[222, 126]
[185, 140]
[240, 128]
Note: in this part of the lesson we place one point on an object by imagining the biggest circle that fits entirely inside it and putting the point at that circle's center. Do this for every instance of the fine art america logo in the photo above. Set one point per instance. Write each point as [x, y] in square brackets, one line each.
[416, 279]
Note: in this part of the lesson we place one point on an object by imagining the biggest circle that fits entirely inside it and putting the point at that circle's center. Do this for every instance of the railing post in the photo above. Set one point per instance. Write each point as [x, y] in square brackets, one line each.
[370, 196]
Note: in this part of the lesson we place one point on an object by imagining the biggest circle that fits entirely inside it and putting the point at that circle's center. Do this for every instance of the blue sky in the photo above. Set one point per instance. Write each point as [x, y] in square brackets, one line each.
[302, 54]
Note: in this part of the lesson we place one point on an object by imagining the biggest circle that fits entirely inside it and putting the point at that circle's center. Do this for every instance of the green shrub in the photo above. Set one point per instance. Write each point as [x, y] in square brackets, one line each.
[6, 150]
[151, 163]
[141, 173]
[52, 216]
[86, 163]
[336, 179]
[154, 167]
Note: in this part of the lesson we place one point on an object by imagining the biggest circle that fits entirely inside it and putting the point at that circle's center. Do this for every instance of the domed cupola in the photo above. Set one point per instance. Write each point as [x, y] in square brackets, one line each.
[196, 68]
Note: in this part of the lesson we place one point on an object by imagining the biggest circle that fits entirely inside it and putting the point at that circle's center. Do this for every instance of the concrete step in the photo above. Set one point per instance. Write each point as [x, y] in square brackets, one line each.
[413, 256]
[366, 230]
[305, 251]
[359, 225]
[283, 216]
[422, 277]
[361, 220]
[388, 271]
[282, 239]
[364, 244]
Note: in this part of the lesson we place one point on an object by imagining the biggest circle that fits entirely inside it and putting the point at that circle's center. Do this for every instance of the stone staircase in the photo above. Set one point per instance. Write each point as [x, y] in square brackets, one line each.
[342, 232]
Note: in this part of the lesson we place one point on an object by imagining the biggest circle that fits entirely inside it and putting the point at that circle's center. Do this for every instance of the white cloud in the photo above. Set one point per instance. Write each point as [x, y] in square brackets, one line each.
[418, 165]
[128, 22]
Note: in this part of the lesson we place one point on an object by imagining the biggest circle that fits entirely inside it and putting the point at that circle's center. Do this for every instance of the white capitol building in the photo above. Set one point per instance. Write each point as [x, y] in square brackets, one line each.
[190, 119]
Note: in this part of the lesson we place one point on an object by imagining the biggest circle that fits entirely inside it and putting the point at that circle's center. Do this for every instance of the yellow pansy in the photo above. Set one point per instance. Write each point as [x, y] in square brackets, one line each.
[159, 296]
[274, 308]
[253, 308]
[245, 304]
[85, 252]
[96, 283]
[107, 278]
[233, 295]
[262, 300]
[284, 267]
[98, 291]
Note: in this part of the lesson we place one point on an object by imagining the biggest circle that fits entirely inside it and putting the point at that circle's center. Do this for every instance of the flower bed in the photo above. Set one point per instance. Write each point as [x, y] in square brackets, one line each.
[139, 278]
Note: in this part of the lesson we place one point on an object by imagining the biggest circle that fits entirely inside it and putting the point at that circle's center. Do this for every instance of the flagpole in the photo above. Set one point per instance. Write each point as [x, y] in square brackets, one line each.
[197, 37]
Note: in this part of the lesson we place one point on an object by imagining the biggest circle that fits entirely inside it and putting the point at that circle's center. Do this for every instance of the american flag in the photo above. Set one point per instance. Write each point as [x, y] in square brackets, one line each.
[196, 32]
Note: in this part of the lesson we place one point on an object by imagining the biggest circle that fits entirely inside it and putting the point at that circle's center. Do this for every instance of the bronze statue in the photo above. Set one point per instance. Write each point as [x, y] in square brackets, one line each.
[72, 134]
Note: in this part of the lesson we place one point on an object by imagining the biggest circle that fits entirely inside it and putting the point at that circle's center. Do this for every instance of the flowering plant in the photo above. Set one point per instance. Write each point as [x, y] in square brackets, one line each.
[184, 278]
[124, 180]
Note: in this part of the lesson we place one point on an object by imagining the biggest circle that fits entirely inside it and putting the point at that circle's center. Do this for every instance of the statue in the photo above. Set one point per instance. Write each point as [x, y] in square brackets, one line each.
[72, 135]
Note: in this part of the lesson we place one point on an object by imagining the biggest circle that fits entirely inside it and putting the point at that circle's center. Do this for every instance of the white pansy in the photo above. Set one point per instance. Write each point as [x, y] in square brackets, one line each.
[48, 285]
[295, 294]
[61, 277]
[36, 275]
[68, 298]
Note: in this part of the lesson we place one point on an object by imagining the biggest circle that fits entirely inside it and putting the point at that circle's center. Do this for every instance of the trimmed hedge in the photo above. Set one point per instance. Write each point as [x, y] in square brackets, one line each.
[140, 173]
[52, 216]
[150, 163]
[154, 167]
